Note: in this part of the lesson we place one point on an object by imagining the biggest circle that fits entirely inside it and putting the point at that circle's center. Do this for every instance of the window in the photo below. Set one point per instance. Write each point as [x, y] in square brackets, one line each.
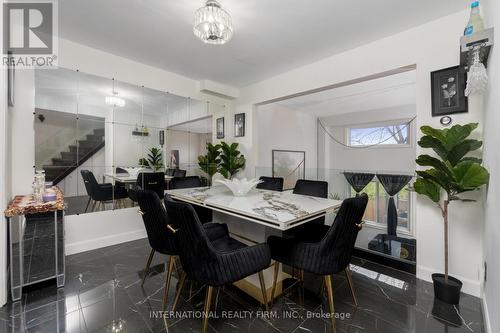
[386, 134]
[376, 210]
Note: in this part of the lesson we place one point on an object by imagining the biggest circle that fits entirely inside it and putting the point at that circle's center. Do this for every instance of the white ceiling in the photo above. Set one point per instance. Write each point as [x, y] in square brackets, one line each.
[271, 36]
[378, 94]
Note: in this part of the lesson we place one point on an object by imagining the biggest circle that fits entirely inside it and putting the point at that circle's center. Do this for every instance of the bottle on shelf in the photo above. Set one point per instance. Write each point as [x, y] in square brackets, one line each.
[476, 22]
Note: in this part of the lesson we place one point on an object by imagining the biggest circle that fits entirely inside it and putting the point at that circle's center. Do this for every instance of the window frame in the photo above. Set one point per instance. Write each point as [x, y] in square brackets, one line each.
[349, 128]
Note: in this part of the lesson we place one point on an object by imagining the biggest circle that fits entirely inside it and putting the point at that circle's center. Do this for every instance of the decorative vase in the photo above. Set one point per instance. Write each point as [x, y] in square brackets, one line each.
[448, 292]
[239, 187]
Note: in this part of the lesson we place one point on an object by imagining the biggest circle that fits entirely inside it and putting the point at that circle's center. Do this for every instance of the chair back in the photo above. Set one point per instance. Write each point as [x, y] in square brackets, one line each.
[179, 173]
[152, 181]
[90, 182]
[195, 250]
[271, 183]
[170, 172]
[155, 220]
[185, 182]
[119, 170]
[313, 188]
[340, 239]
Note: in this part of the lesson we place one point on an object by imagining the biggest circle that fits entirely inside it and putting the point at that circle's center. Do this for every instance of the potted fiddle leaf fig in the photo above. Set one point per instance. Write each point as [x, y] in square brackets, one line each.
[209, 163]
[231, 160]
[450, 174]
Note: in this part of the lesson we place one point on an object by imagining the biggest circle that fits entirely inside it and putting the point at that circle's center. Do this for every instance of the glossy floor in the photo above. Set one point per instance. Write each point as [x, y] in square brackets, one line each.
[103, 293]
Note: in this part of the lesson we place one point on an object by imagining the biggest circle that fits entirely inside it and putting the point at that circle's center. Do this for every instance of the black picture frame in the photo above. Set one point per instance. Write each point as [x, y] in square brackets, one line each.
[219, 128]
[239, 125]
[448, 91]
[293, 156]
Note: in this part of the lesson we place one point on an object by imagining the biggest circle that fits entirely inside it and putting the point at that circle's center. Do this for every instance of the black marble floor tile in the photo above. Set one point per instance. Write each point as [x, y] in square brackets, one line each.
[103, 293]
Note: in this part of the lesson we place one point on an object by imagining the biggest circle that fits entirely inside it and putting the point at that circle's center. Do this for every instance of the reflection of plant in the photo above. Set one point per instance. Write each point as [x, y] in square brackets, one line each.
[453, 172]
[335, 196]
[143, 162]
[231, 160]
[209, 163]
[155, 159]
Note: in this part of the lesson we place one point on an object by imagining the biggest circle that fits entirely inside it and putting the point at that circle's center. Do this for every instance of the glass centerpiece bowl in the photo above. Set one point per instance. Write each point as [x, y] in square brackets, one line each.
[240, 187]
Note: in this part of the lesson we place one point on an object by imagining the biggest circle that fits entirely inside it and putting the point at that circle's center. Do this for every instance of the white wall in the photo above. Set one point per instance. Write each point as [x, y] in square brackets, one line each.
[430, 47]
[492, 162]
[282, 128]
[190, 145]
[380, 158]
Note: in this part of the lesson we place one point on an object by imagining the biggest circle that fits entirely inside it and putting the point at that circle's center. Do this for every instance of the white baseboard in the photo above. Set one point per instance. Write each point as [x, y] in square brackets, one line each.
[470, 287]
[97, 243]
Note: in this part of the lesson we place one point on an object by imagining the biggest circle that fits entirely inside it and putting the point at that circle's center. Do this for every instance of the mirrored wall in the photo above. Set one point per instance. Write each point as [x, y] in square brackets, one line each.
[97, 138]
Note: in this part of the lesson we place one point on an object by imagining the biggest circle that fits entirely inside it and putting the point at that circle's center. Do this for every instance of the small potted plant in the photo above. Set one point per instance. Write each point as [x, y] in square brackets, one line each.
[231, 160]
[154, 159]
[209, 163]
[452, 173]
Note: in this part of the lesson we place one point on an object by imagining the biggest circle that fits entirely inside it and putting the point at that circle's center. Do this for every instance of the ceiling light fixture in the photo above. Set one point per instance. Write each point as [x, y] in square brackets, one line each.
[115, 101]
[212, 24]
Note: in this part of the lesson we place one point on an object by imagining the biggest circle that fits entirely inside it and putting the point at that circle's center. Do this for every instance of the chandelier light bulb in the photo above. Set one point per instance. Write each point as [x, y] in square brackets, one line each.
[212, 24]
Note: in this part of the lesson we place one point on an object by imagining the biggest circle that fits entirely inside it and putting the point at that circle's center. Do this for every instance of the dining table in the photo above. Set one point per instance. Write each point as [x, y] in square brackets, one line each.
[254, 217]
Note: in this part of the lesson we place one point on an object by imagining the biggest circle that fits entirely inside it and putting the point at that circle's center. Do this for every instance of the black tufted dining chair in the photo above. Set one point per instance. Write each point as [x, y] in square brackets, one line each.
[330, 255]
[271, 183]
[204, 214]
[214, 263]
[160, 237]
[101, 193]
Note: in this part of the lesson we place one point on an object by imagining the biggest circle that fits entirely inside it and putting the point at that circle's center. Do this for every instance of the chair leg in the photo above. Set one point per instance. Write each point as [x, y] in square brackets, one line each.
[178, 292]
[351, 284]
[217, 298]
[329, 290]
[167, 281]
[88, 203]
[146, 270]
[206, 309]
[275, 279]
[264, 291]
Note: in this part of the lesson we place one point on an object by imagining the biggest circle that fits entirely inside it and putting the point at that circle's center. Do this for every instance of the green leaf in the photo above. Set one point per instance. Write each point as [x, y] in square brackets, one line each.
[437, 177]
[426, 160]
[462, 149]
[433, 132]
[457, 134]
[471, 175]
[433, 143]
[428, 188]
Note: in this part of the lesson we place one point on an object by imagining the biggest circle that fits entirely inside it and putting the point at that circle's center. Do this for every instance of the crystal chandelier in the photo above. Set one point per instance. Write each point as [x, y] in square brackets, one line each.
[212, 24]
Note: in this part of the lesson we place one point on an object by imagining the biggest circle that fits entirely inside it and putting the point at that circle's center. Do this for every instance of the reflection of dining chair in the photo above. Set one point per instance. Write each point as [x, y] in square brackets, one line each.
[330, 254]
[205, 214]
[271, 183]
[156, 221]
[170, 172]
[101, 193]
[179, 173]
[152, 181]
[214, 263]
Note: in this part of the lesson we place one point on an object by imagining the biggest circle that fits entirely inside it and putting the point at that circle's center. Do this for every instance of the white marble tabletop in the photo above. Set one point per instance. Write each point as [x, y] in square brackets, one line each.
[279, 210]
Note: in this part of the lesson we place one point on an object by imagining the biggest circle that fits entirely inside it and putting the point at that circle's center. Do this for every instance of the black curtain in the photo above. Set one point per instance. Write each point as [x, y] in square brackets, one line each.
[392, 185]
[358, 181]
